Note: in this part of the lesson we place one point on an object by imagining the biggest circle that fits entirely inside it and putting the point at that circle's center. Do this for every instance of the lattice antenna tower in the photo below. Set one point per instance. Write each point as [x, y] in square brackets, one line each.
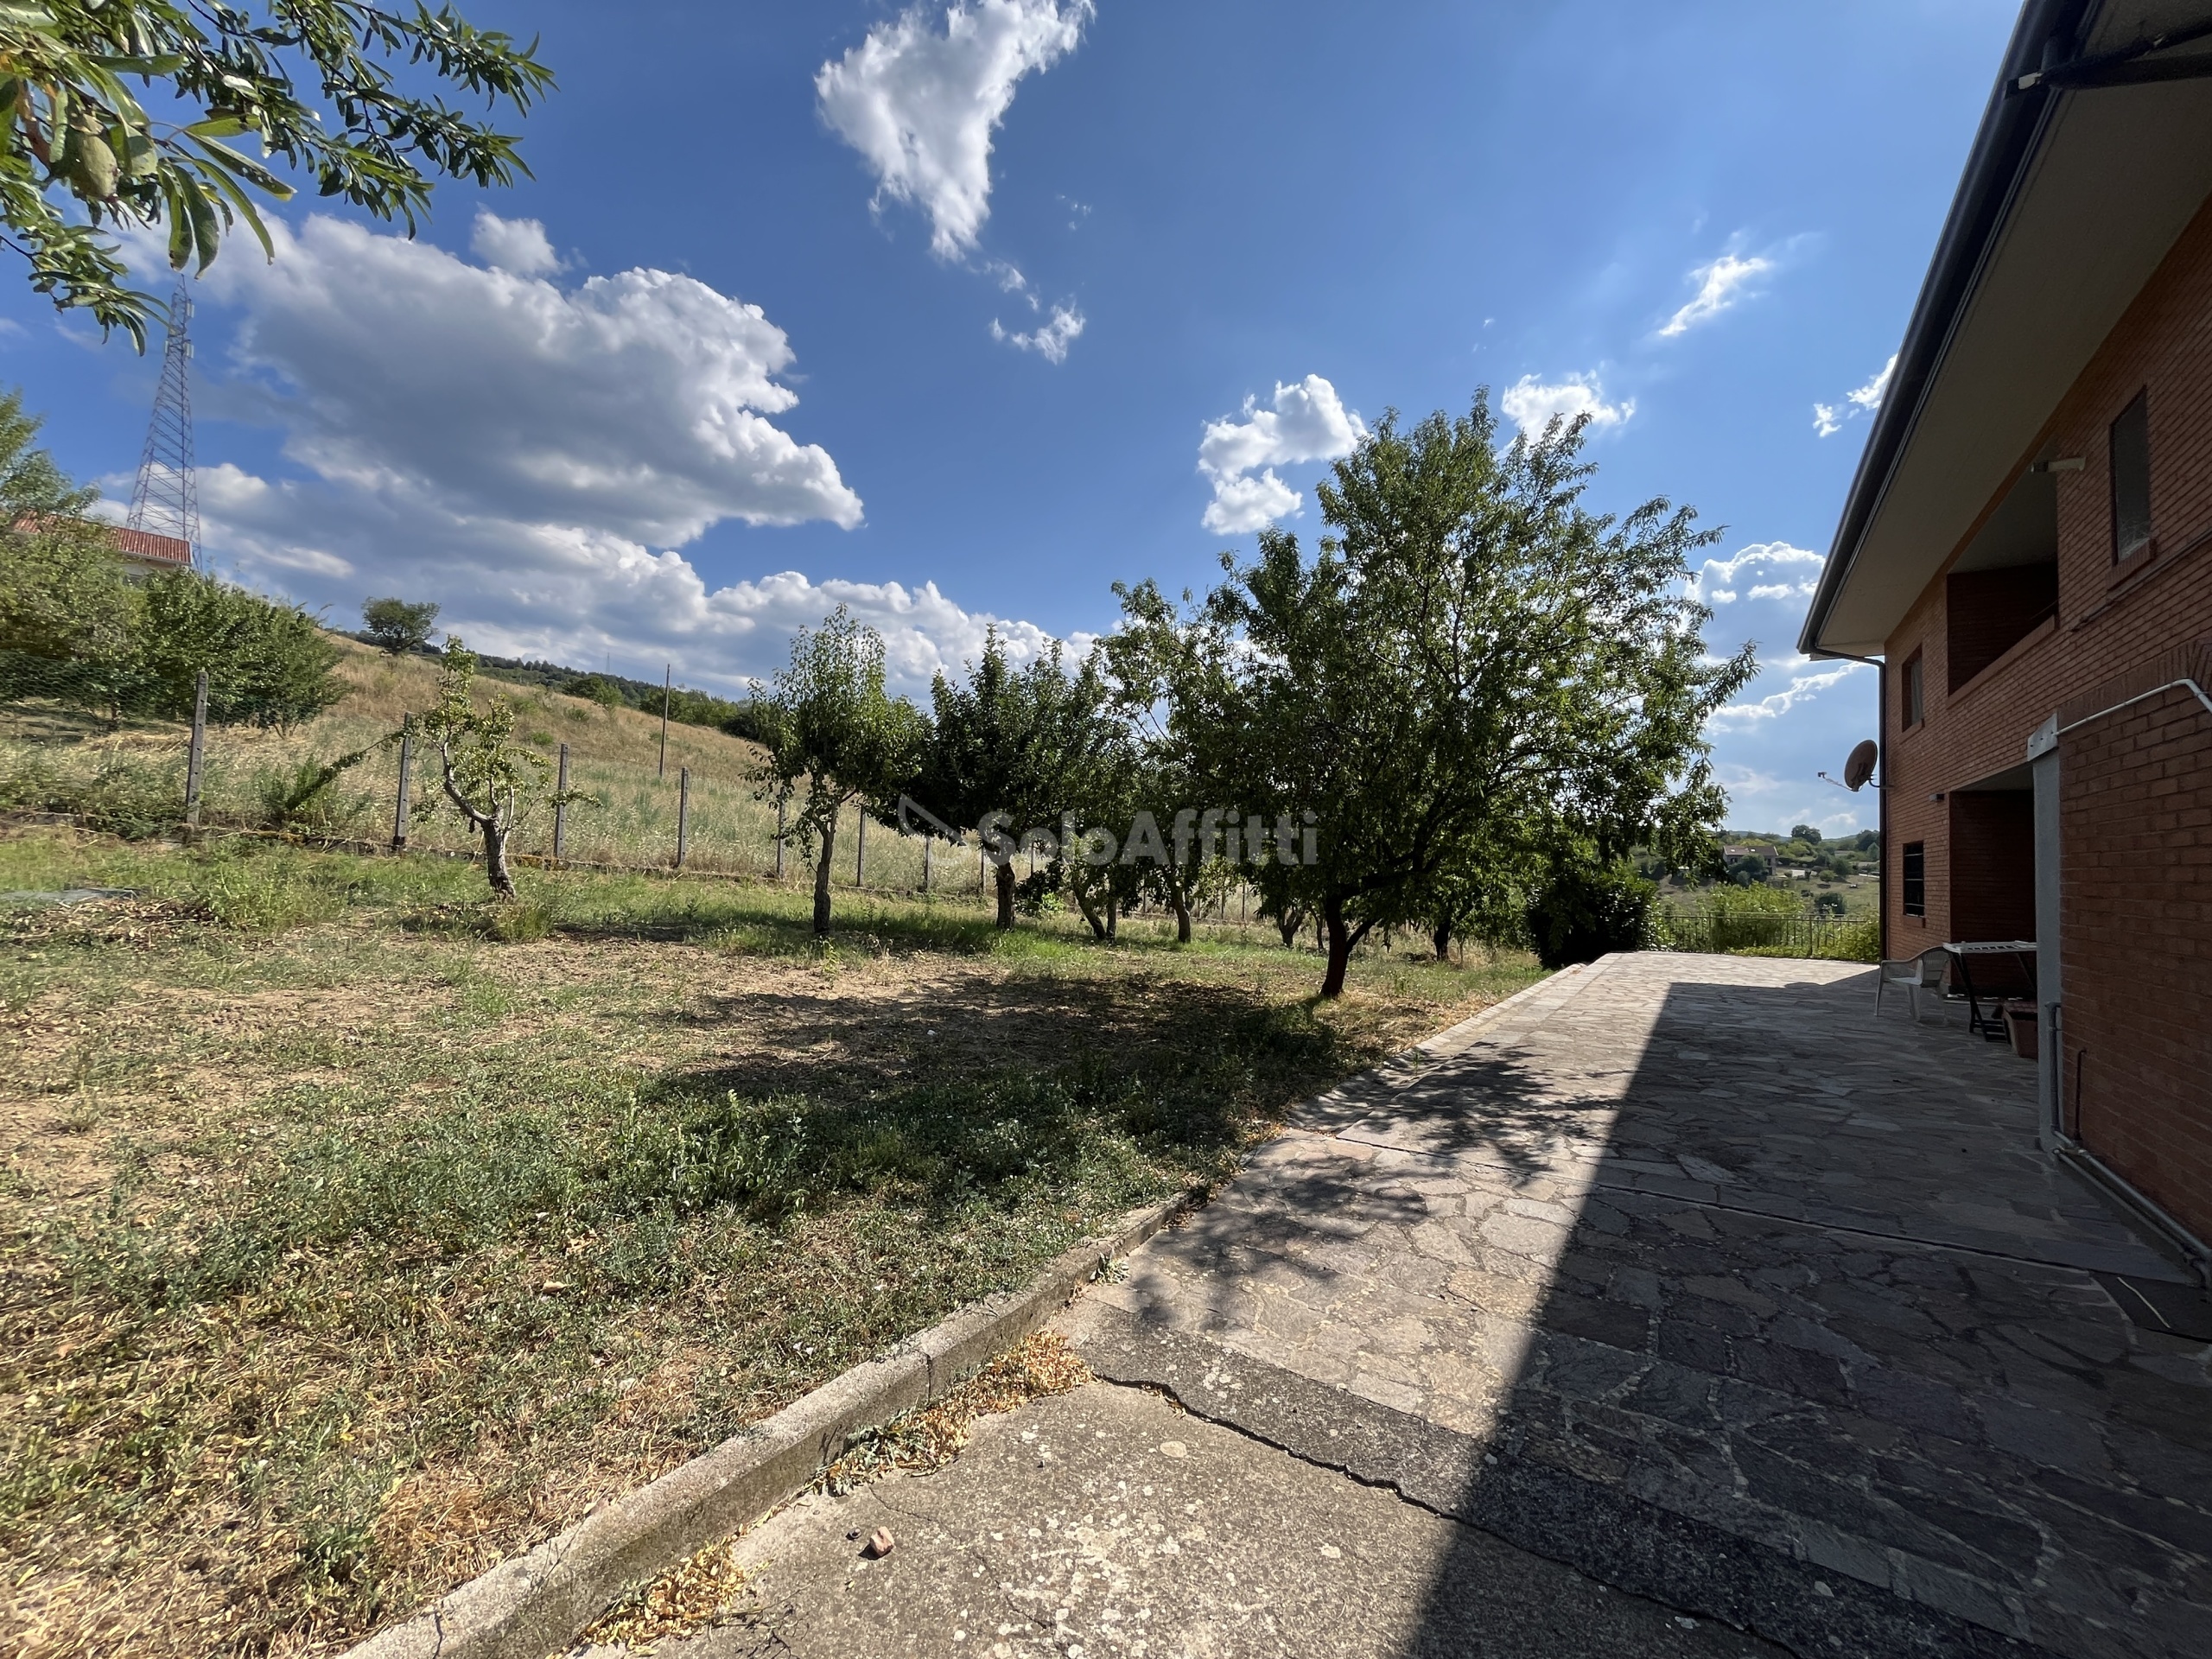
[165, 499]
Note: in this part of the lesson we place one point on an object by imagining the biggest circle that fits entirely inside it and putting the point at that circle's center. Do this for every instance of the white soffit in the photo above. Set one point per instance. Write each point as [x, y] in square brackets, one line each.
[2120, 174]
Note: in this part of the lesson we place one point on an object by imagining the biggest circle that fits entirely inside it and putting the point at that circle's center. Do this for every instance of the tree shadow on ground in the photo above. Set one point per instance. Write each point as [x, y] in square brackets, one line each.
[1829, 1426]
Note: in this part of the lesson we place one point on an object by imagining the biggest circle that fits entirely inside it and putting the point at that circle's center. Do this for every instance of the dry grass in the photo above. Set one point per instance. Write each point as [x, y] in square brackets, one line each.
[136, 775]
[346, 1250]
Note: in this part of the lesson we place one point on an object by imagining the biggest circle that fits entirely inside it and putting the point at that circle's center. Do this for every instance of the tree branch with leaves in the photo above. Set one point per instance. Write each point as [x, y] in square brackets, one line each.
[316, 82]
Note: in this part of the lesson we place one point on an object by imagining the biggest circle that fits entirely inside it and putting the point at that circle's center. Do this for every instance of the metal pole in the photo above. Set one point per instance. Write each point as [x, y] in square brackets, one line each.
[860, 848]
[979, 872]
[561, 808]
[195, 757]
[406, 775]
[667, 685]
[929, 846]
[682, 813]
[780, 841]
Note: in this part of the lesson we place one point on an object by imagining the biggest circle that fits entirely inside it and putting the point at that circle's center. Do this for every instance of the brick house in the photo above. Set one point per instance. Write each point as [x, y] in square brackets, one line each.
[142, 551]
[2025, 553]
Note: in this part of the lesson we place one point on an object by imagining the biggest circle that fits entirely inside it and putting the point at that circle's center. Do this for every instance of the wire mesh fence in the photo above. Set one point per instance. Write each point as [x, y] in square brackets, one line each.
[684, 802]
[85, 742]
[1764, 921]
[75, 743]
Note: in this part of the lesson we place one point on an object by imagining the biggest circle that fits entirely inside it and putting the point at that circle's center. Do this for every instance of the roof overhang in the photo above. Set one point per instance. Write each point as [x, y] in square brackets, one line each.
[2069, 201]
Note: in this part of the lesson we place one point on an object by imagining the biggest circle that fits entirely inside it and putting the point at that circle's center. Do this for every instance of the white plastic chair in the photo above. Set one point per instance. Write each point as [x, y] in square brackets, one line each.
[1913, 975]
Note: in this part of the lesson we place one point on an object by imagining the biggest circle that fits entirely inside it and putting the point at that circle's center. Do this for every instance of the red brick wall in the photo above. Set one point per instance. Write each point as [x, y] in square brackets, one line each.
[2107, 620]
[2135, 824]
[2136, 934]
[1991, 846]
[1986, 611]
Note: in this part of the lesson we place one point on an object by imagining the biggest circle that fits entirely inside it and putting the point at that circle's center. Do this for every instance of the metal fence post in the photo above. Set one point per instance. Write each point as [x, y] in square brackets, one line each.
[561, 808]
[929, 846]
[667, 685]
[406, 775]
[682, 813]
[780, 841]
[860, 848]
[195, 757]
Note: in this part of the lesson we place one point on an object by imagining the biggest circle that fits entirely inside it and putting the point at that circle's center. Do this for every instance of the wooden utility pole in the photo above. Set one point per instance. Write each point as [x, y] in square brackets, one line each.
[195, 758]
[561, 808]
[406, 777]
[667, 686]
[683, 814]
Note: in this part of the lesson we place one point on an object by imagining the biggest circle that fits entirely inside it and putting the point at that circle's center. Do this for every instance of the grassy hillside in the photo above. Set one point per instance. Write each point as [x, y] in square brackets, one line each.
[134, 778]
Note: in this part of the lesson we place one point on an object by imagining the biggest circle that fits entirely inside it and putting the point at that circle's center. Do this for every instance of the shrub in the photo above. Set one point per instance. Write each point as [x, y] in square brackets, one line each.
[130, 795]
[1769, 922]
[598, 688]
[1587, 909]
[267, 665]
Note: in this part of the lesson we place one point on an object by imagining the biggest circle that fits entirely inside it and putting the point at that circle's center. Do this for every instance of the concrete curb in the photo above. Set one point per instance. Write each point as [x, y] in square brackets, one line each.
[537, 1603]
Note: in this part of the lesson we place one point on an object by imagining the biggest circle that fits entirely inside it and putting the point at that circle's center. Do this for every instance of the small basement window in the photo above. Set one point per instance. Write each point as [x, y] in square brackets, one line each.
[1912, 692]
[1915, 877]
[2131, 479]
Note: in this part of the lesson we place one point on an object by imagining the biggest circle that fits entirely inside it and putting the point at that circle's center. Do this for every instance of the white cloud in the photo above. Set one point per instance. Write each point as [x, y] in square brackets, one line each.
[1530, 403]
[920, 104]
[1050, 339]
[1802, 687]
[568, 593]
[1242, 504]
[636, 405]
[1869, 397]
[1716, 581]
[518, 246]
[531, 457]
[1828, 418]
[1780, 802]
[1719, 286]
[1306, 422]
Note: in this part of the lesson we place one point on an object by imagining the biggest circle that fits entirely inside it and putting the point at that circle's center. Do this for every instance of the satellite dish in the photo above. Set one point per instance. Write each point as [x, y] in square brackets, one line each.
[1861, 766]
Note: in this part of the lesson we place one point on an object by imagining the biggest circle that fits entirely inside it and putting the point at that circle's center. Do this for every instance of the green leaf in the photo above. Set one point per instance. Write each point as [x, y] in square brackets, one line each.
[180, 221]
[205, 230]
[229, 162]
[246, 211]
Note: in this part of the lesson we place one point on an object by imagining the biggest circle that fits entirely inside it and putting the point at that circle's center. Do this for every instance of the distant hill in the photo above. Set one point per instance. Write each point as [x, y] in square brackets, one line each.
[693, 708]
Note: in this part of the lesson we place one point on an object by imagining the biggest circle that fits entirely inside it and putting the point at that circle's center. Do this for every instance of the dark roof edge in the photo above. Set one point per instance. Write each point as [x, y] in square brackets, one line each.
[2010, 126]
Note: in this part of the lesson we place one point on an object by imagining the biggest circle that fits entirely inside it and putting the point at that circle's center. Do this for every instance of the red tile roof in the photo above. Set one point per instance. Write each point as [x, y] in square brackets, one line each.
[156, 549]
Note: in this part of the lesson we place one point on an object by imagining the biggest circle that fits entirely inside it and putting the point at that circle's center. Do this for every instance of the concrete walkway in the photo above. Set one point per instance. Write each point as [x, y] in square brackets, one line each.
[1679, 1275]
[1108, 1522]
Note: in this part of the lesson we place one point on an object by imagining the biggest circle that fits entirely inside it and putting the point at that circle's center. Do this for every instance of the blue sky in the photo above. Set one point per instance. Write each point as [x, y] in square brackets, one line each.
[962, 316]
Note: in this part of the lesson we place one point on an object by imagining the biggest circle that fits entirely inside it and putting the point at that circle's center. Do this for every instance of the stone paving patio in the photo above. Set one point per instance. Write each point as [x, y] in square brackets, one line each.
[1686, 1272]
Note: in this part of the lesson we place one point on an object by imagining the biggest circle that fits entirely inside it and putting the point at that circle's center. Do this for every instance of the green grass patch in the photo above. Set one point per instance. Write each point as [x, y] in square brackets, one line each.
[361, 1232]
